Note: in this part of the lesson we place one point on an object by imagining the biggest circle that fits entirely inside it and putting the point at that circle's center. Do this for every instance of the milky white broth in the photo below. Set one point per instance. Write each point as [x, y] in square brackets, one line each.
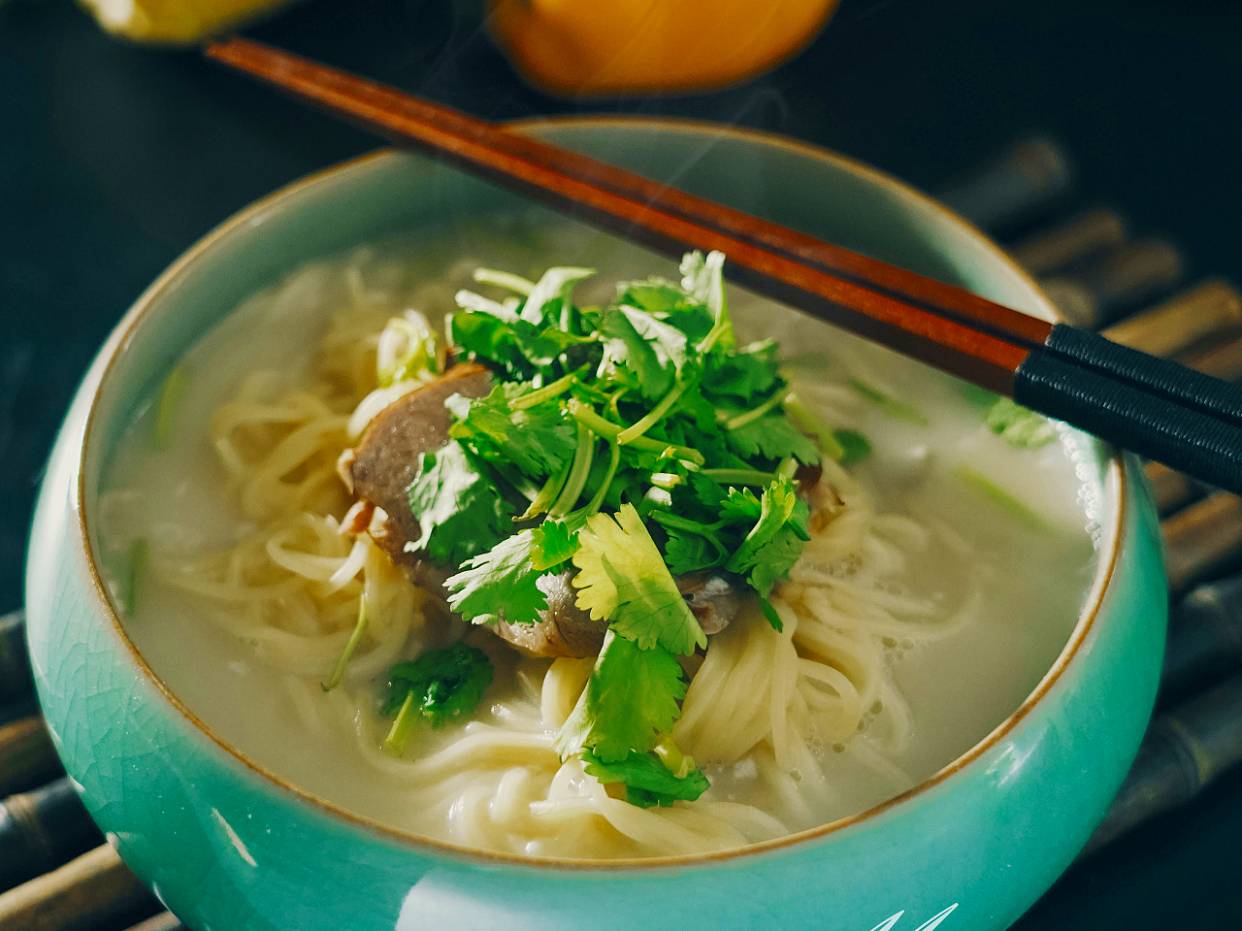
[1031, 577]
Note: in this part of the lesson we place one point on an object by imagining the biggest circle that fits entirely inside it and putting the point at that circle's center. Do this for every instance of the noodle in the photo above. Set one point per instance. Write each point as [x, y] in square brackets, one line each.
[761, 713]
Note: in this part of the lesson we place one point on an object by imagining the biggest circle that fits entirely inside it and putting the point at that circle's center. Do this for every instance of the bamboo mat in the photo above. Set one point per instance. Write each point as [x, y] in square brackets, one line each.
[57, 874]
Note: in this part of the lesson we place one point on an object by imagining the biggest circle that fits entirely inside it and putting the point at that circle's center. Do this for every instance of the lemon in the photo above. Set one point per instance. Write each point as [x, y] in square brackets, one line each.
[175, 22]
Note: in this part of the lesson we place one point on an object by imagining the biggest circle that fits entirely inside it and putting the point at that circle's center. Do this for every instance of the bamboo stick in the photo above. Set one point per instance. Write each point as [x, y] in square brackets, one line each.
[27, 757]
[1015, 186]
[88, 892]
[1202, 538]
[14, 662]
[1184, 751]
[1056, 247]
[40, 830]
[1131, 274]
[1187, 318]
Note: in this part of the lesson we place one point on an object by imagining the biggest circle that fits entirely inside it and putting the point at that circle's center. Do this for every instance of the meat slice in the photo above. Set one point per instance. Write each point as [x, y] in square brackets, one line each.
[382, 466]
[385, 460]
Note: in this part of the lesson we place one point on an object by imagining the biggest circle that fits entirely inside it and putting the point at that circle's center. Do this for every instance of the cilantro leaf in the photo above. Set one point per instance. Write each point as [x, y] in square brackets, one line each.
[438, 686]
[623, 578]
[647, 781]
[688, 552]
[775, 542]
[653, 351]
[668, 303]
[482, 336]
[555, 283]
[855, 447]
[457, 507]
[629, 702]
[1019, 426]
[772, 436]
[499, 584]
[553, 542]
[539, 440]
[703, 279]
[750, 372]
[740, 504]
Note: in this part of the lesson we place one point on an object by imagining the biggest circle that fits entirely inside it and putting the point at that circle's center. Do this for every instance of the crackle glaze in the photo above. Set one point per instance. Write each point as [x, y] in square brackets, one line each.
[229, 847]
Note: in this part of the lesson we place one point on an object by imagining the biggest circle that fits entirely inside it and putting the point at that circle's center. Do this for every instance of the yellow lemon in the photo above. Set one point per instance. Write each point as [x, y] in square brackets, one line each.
[593, 47]
[175, 22]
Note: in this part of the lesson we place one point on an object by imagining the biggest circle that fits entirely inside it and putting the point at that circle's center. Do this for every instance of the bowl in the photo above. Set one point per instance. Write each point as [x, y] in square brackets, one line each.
[227, 844]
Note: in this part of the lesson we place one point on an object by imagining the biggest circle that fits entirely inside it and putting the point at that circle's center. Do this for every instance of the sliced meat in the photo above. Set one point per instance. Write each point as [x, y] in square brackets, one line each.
[385, 461]
[382, 466]
[715, 598]
[566, 630]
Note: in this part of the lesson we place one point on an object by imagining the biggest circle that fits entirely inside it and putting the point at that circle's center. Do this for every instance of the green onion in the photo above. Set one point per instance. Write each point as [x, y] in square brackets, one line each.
[139, 552]
[998, 495]
[899, 410]
[351, 646]
[399, 734]
[166, 406]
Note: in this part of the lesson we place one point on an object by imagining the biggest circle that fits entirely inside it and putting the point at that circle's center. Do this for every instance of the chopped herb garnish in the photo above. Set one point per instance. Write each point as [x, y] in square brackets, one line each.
[647, 780]
[993, 492]
[439, 686]
[139, 553]
[621, 446]
[854, 446]
[166, 406]
[1019, 426]
[896, 409]
[351, 646]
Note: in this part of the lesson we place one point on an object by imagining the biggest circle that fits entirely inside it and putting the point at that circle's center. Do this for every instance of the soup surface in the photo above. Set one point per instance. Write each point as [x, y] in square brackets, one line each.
[946, 566]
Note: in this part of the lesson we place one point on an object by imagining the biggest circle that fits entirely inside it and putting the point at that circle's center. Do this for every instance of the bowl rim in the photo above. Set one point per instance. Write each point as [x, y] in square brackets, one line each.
[1114, 483]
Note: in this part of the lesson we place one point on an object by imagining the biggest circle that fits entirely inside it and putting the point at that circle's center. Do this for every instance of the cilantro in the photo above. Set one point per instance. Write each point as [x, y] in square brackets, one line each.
[629, 702]
[703, 279]
[438, 686]
[745, 374]
[689, 552]
[772, 436]
[553, 542]
[556, 283]
[652, 351]
[854, 446]
[499, 584]
[775, 542]
[623, 578]
[647, 781]
[457, 507]
[1019, 426]
[538, 439]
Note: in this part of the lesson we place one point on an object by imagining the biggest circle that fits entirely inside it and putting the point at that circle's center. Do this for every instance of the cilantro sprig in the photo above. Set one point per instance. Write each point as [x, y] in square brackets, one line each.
[625, 445]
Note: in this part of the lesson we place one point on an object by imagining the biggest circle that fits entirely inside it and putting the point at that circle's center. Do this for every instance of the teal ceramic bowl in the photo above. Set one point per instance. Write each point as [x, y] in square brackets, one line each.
[230, 846]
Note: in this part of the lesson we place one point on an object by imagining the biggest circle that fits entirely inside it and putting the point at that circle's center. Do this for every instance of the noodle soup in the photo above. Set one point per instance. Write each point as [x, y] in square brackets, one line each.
[907, 627]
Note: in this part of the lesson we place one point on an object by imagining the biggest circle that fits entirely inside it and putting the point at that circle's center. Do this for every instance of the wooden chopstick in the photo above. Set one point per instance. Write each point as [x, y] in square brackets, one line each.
[1155, 407]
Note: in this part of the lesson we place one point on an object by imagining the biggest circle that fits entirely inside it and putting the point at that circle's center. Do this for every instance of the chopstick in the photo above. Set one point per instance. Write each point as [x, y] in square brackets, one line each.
[1153, 406]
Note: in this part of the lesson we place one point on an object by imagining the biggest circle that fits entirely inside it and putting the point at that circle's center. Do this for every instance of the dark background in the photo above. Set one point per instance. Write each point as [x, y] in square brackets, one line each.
[115, 159]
